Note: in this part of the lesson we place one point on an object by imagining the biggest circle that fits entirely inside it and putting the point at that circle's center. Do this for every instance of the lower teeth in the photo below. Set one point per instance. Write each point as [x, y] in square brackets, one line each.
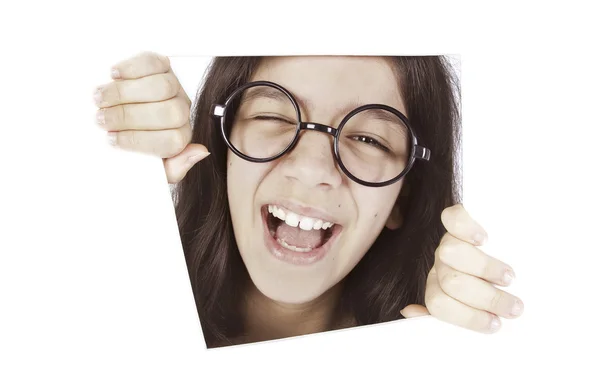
[293, 248]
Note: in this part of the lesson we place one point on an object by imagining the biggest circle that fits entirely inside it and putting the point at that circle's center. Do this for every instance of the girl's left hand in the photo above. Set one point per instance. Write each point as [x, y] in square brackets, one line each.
[461, 285]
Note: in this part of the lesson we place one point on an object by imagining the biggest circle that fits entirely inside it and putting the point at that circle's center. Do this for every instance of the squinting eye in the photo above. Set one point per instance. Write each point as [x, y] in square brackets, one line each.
[273, 118]
[371, 141]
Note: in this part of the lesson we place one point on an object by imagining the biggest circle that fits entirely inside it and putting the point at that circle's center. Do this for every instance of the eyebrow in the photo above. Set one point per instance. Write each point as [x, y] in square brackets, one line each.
[264, 92]
[383, 115]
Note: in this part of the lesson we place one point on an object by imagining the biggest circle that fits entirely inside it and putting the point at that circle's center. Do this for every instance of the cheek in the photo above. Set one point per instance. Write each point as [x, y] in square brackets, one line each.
[372, 209]
[374, 206]
[240, 173]
[237, 186]
[243, 181]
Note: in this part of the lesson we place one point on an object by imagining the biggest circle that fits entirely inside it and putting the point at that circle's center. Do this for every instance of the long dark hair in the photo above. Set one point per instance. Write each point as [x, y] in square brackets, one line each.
[393, 273]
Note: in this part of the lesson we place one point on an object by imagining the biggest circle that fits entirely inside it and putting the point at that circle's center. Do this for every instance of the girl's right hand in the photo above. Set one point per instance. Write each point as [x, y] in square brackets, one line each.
[145, 109]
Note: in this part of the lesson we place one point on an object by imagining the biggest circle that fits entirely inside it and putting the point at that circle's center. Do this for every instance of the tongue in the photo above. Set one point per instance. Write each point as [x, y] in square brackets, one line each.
[298, 237]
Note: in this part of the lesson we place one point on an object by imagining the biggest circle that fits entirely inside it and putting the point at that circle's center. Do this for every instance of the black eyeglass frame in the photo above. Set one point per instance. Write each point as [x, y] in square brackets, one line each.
[417, 151]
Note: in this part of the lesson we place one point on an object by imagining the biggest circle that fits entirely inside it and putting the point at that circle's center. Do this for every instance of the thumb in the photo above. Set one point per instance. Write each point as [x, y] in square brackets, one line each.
[177, 166]
[414, 310]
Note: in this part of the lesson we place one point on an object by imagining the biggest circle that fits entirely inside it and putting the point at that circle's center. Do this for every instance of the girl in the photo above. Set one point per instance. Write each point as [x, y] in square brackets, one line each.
[329, 199]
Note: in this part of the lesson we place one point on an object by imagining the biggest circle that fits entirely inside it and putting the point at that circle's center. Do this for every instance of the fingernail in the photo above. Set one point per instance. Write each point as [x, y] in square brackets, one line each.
[114, 73]
[517, 308]
[112, 138]
[98, 96]
[509, 277]
[495, 325]
[195, 158]
[100, 117]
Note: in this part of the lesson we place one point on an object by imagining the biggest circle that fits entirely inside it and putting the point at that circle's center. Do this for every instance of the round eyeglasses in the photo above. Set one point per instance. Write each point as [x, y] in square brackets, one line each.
[373, 145]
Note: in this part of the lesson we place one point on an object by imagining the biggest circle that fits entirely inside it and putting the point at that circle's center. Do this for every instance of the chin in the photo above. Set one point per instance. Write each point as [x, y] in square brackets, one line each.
[288, 283]
[280, 293]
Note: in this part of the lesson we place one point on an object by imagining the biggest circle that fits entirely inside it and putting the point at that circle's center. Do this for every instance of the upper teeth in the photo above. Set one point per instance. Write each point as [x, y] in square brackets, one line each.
[295, 220]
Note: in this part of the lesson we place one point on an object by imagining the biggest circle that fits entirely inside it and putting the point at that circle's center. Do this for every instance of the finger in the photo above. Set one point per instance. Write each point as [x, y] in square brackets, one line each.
[164, 143]
[178, 166]
[141, 65]
[156, 87]
[467, 258]
[414, 310]
[173, 113]
[459, 223]
[448, 309]
[477, 293]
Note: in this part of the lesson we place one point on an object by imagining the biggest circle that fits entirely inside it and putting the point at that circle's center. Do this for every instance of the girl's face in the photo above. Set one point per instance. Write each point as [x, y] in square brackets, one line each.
[297, 264]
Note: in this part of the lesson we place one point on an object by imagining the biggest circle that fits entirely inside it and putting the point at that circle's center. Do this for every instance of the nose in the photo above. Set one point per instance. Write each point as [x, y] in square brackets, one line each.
[312, 162]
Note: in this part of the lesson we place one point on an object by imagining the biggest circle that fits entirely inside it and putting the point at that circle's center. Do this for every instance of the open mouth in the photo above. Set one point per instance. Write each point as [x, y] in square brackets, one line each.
[297, 238]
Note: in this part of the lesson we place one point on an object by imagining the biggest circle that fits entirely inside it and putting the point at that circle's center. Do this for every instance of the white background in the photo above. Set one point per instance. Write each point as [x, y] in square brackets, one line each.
[93, 286]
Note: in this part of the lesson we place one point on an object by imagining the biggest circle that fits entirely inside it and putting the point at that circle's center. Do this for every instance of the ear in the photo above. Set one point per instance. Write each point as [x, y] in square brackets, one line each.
[396, 218]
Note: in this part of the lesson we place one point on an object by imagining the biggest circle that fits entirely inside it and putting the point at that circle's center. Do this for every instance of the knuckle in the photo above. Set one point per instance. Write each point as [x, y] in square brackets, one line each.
[434, 302]
[157, 60]
[179, 112]
[446, 213]
[146, 55]
[446, 250]
[496, 300]
[115, 117]
[177, 142]
[186, 133]
[169, 85]
[451, 217]
[133, 139]
[451, 282]
[125, 117]
[117, 92]
[450, 211]
[428, 299]
[147, 60]
[164, 60]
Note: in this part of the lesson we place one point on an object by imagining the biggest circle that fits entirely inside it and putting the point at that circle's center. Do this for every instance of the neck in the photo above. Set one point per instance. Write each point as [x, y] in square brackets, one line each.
[266, 319]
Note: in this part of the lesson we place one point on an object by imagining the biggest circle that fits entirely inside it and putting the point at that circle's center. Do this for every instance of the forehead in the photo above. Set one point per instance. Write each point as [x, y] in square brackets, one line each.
[334, 82]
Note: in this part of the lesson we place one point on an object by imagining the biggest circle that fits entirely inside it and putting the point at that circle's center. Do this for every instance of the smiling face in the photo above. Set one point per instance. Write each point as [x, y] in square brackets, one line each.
[330, 220]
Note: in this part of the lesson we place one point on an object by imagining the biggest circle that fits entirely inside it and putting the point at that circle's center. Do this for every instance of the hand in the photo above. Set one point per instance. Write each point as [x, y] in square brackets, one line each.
[461, 285]
[145, 109]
